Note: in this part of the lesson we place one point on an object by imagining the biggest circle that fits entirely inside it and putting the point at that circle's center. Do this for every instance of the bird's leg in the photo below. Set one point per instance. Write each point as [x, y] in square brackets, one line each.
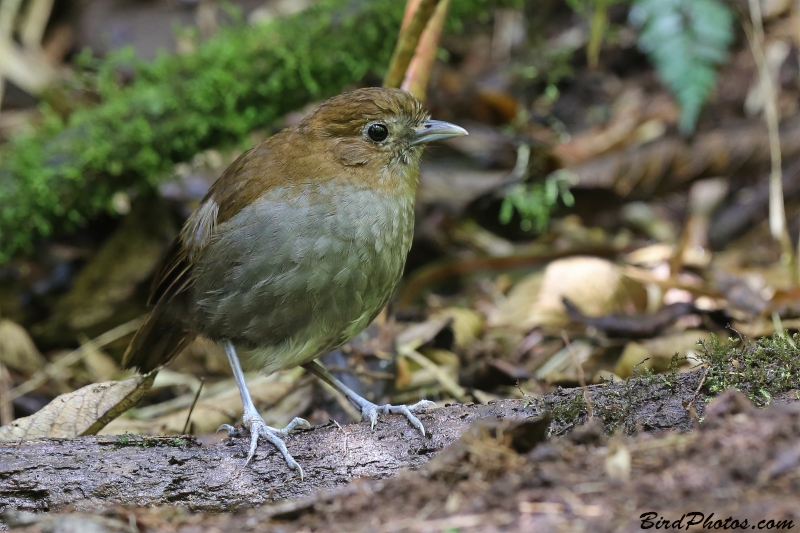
[369, 410]
[252, 421]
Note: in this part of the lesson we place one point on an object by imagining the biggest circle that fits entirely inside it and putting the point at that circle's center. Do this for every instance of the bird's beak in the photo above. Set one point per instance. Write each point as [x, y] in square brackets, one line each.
[436, 130]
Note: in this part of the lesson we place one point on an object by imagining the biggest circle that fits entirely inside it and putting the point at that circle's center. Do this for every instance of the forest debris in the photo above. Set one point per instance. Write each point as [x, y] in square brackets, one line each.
[6, 408]
[750, 207]
[739, 292]
[618, 461]
[465, 323]
[218, 404]
[451, 269]
[53, 369]
[17, 350]
[596, 285]
[422, 333]
[439, 374]
[704, 197]
[647, 218]
[82, 412]
[112, 275]
[454, 183]
[100, 366]
[669, 163]
[657, 353]
[566, 363]
[638, 325]
[591, 143]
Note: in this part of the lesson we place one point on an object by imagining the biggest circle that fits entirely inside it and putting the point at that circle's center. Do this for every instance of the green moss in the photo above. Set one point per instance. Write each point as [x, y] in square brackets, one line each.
[143, 441]
[244, 78]
[761, 370]
[567, 413]
[617, 405]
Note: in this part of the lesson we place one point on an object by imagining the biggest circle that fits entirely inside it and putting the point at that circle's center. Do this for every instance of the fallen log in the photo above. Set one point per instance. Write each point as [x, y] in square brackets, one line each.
[87, 472]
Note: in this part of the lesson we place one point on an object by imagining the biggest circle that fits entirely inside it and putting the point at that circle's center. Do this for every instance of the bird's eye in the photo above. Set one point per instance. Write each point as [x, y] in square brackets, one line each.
[377, 132]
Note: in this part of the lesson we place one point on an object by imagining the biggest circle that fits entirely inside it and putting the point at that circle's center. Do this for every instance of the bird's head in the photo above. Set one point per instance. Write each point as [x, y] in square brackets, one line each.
[377, 132]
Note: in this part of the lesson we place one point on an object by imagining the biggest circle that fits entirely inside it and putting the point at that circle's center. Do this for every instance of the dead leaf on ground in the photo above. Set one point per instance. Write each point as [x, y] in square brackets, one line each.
[596, 286]
[466, 324]
[17, 350]
[658, 351]
[82, 412]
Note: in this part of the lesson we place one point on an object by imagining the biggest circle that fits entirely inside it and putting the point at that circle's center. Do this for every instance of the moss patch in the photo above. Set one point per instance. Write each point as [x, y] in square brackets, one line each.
[144, 441]
[759, 369]
[650, 401]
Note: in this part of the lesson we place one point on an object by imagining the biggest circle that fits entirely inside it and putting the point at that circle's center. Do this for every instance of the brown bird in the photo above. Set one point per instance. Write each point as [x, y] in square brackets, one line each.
[296, 248]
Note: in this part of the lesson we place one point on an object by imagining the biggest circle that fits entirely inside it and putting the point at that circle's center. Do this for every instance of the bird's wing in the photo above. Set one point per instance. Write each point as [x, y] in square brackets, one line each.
[175, 273]
[242, 183]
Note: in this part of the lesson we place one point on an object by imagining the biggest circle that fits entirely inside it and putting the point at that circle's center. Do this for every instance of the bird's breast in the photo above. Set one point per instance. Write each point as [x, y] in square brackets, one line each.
[303, 272]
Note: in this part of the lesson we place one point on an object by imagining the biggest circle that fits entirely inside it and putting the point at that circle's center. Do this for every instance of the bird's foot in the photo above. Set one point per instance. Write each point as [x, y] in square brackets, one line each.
[255, 426]
[370, 412]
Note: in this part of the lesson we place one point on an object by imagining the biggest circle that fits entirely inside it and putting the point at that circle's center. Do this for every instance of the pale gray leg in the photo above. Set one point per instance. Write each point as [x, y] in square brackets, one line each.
[369, 410]
[253, 422]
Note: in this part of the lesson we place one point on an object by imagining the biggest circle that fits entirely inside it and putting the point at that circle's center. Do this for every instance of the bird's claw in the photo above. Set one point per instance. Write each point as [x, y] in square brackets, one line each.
[256, 427]
[370, 412]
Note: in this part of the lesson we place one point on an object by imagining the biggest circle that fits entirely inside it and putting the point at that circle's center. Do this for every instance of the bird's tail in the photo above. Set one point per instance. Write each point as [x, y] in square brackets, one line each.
[156, 343]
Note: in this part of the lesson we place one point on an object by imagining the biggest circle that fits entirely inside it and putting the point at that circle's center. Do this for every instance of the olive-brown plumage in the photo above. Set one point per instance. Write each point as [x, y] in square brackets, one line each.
[300, 242]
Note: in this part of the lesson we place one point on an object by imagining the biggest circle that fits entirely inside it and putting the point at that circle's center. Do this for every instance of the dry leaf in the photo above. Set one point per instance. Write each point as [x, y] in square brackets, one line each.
[419, 334]
[17, 350]
[658, 351]
[100, 366]
[82, 412]
[466, 324]
[596, 286]
[618, 461]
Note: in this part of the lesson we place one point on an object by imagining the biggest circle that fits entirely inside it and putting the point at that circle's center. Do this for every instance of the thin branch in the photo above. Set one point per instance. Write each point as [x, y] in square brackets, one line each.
[777, 213]
[6, 409]
[419, 70]
[41, 377]
[440, 375]
[700, 386]
[581, 376]
[409, 38]
[34, 23]
[191, 409]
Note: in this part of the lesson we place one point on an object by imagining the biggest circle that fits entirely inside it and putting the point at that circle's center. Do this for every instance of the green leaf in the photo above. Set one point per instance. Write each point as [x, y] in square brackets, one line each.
[535, 202]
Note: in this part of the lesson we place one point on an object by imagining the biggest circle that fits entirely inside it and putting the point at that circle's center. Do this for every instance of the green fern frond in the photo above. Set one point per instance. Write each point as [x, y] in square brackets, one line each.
[686, 40]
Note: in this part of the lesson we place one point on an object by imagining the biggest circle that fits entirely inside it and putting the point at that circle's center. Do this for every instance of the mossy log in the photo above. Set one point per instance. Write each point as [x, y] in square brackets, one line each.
[46, 475]
[49, 474]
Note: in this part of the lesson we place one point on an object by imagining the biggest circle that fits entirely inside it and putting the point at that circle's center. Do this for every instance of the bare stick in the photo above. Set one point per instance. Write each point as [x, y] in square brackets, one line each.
[581, 376]
[777, 213]
[697, 391]
[6, 409]
[191, 409]
[409, 38]
[419, 70]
